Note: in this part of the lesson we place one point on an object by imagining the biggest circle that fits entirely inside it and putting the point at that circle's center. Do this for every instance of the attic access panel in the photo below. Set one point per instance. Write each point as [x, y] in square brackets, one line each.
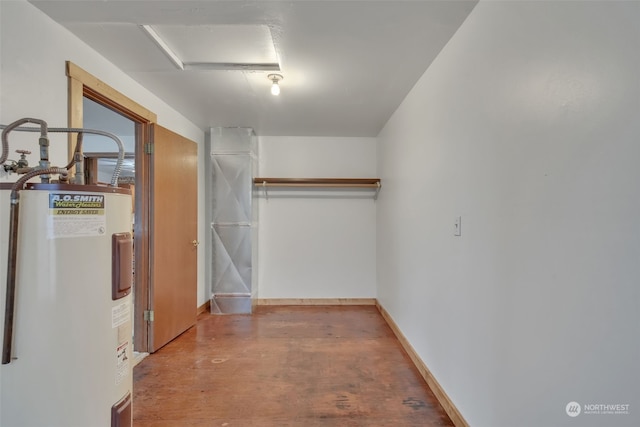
[220, 44]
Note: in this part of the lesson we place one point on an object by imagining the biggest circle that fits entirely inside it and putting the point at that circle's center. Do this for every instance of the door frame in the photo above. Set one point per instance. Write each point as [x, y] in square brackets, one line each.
[81, 84]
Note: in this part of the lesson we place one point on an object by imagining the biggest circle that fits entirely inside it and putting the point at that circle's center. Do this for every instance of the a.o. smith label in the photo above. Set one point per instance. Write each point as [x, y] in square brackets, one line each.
[76, 215]
[74, 203]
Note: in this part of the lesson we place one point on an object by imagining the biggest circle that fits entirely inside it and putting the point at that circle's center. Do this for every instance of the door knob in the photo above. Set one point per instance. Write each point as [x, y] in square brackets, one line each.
[195, 243]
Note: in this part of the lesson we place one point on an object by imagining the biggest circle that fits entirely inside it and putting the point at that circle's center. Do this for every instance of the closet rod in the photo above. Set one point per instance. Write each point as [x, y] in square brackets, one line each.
[318, 182]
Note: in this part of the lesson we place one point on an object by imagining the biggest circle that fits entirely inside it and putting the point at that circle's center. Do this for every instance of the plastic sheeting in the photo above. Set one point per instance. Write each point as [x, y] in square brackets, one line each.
[233, 164]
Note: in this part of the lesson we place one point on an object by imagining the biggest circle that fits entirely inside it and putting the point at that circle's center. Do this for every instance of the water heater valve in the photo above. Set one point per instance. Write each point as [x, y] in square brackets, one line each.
[22, 161]
[20, 166]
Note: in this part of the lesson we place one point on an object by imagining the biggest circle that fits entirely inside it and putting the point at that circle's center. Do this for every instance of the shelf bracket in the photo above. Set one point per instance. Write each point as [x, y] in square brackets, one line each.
[375, 196]
[264, 187]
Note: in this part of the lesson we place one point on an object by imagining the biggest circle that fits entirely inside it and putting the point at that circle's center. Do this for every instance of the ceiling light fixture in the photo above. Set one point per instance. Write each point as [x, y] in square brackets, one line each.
[275, 87]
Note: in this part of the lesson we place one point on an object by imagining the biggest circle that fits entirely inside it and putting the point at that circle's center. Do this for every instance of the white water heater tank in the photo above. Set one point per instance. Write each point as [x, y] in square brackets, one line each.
[71, 354]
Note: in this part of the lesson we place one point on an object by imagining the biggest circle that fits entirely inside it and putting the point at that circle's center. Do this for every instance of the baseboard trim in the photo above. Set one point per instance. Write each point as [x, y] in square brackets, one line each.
[204, 308]
[451, 410]
[316, 301]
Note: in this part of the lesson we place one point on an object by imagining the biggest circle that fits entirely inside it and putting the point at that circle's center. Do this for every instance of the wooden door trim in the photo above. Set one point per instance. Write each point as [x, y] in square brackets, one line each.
[108, 94]
[83, 84]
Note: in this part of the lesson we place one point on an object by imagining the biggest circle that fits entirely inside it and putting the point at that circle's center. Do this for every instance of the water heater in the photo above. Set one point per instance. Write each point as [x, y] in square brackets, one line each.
[71, 347]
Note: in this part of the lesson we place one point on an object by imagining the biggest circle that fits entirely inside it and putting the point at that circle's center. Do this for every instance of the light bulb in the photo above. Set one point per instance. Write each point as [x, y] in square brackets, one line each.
[275, 88]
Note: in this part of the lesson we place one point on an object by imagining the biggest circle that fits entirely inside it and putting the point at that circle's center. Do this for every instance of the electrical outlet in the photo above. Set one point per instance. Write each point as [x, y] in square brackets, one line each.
[457, 231]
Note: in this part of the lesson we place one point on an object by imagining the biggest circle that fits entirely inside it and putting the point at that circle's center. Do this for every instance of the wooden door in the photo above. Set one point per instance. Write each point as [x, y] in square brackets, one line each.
[173, 240]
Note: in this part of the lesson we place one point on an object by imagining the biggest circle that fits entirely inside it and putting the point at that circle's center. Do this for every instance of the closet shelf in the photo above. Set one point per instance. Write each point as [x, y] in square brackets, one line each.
[372, 183]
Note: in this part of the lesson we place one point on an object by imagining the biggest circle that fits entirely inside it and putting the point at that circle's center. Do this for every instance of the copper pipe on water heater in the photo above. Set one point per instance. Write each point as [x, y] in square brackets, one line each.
[77, 160]
[77, 149]
[10, 299]
[9, 309]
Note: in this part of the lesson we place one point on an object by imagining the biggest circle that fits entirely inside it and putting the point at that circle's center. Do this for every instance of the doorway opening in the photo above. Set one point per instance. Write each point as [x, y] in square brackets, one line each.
[88, 99]
[100, 160]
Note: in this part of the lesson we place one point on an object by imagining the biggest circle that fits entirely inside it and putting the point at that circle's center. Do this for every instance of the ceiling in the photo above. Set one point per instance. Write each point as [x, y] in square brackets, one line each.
[347, 65]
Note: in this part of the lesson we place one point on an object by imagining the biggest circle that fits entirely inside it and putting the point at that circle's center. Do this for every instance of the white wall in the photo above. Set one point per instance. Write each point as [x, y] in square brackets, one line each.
[33, 51]
[528, 126]
[317, 243]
